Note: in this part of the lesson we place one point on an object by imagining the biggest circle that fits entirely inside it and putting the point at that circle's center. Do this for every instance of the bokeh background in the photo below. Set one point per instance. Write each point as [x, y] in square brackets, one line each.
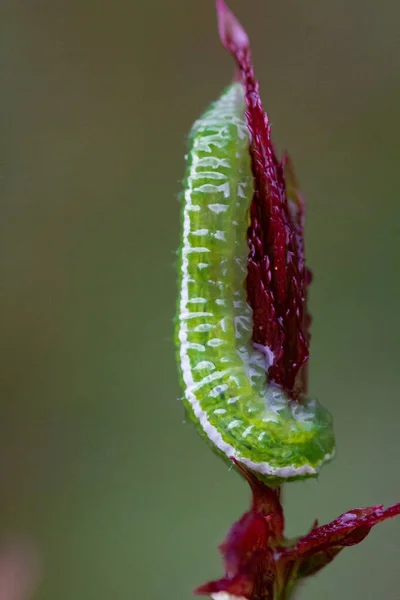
[97, 466]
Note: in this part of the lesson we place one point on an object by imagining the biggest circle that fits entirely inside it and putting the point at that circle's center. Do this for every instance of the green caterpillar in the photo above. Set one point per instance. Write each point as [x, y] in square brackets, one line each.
[226, 393]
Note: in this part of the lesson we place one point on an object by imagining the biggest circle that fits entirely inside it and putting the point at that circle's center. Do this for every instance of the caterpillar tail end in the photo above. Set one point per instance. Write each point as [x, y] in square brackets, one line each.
[293, 445]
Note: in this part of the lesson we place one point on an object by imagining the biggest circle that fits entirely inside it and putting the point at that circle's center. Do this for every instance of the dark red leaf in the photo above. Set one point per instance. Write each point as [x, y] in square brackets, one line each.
[276, 273]
[322, 544]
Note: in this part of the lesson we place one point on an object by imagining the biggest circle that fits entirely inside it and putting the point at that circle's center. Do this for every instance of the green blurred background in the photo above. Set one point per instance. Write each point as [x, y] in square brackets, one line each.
[96, 463]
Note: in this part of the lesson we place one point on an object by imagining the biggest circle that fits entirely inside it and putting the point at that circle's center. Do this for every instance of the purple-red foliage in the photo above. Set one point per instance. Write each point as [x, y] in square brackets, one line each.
[277, 277]
[261, 564]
